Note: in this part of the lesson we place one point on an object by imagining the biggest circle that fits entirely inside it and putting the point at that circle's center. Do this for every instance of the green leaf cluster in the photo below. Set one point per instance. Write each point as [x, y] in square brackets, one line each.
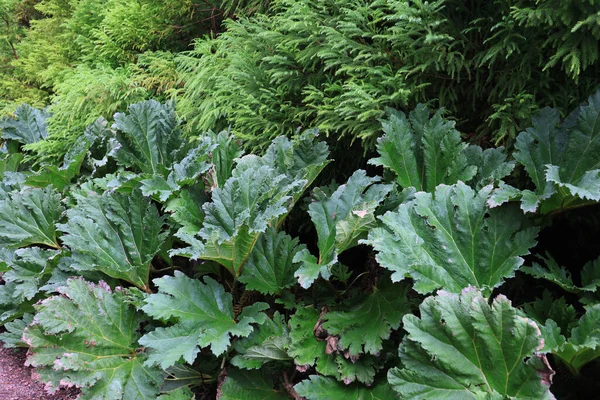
[148, 263]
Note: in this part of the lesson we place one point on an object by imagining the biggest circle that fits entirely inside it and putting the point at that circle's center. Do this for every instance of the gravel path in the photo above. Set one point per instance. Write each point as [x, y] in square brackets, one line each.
[17, 381]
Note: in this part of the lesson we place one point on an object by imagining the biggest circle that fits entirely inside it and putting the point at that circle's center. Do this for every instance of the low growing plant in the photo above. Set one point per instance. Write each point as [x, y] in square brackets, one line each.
[149, 265]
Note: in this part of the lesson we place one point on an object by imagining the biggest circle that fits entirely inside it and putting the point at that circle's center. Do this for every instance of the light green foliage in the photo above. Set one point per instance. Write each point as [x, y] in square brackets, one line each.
[451, 239]
[341, 220]
[260, 193]
[424, 151]
[583, 344]
[204, 315]
[322, 388]
[88, 338]
[28, 216]
[561, 158]
[363, 326]
[83, 95]
[250, 385]
[86, 54]
[270, 267]
[462, 347]
[117, 234]
[28, 126]
[61, 177]
[305, 64]
[14, 87]
[268, 342]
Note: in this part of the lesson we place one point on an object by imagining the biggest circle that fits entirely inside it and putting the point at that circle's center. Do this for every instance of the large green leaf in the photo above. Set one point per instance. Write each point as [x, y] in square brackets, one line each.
[270, 268]
[180, 174]
[363, 326]
[492, 165]
[149, 141]
[28, 126]
[87, 337]
[268, 342]
[259, 194]
[148, 138]
[340, 220]
[204, 317]
[28, 217]
[451, 239]
[547, 307]
[249, 385]
[228, 149]
[186, 209]
[239, 213]
[114, 233]
[423, 151]
[561, 158]
[323, 388]
[583, 344]
[10, 159]
[461, 347]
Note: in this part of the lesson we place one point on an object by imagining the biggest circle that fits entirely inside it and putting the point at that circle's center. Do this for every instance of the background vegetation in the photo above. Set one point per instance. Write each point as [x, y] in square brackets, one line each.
[513, 142]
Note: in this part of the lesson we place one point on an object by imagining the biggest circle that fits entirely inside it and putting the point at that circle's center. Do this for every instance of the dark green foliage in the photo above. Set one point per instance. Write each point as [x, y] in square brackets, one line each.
[562, 159]
[337, 66]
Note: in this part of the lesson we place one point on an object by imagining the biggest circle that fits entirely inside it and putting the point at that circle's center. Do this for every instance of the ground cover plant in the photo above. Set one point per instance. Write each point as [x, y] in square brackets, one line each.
[150, 264]
[302, 199]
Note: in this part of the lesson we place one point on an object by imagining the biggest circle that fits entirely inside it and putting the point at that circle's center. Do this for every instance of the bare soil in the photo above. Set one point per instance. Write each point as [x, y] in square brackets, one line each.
[18, 382]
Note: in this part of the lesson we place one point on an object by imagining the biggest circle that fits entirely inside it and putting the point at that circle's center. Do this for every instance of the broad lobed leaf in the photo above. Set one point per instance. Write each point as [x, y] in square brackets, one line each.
[451, 239]
[87, 337]
[323, 388]
[583, 343]
[463, 347]
[424, 151]
[148, 138]
[204, 317]
[561, 158]
[259, 194]
[28, 126]
[270, 267]
[268, 342]
[117, 234]
[28, 217]
[362, 327]
[307, 351]
[340, 220]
